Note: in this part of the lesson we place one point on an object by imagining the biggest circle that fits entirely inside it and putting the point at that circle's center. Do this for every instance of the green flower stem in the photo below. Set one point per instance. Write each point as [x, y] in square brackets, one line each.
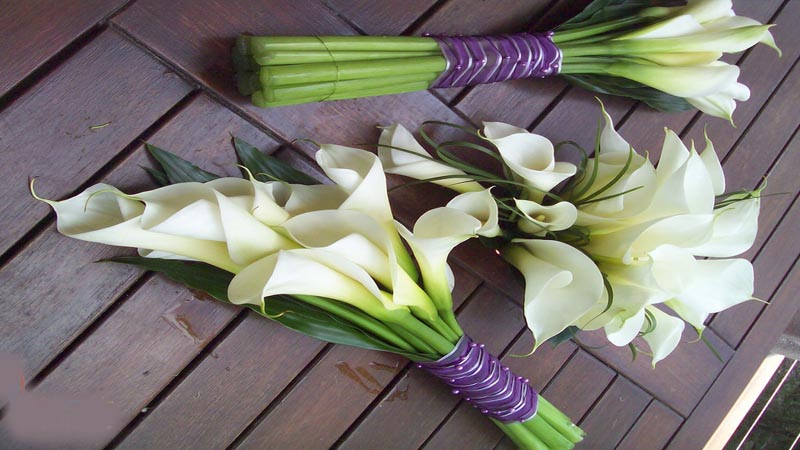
[259, 100]
[260, 45]
[413, 325]
[579, 33]
[350, 70]
[449, 318]
[559, 421]
[283, 57]
[521, 436]
[584, 68]
[547, 434]
[440, 327]
[419, 345]
[363, 321]
[325, 89]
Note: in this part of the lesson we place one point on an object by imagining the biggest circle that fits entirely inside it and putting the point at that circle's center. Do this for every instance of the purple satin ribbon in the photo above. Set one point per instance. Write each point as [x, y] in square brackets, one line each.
[485, 382]
[488, 59]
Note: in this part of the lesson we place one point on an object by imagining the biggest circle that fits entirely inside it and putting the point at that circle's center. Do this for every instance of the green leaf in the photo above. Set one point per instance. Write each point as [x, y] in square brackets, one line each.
[269, 168]
[288, 311]
[605, 84]
[312, 321]
[600, 11]
[567, 334]
[177, 169]
[196, 275]
[158, 176]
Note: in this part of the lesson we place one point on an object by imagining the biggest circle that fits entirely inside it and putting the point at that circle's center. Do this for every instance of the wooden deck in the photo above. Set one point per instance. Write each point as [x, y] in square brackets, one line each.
[187, 373]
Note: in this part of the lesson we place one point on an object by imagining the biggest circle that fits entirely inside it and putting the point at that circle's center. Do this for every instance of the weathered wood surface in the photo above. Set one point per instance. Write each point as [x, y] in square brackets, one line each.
[185, 372]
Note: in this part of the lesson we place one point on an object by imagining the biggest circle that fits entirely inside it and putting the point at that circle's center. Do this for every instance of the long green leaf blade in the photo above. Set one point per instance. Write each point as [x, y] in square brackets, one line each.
[177, 169]
[269, 168]
[196, 275]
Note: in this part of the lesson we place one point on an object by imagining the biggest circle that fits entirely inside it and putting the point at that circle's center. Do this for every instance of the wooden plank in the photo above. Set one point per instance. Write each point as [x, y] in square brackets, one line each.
[781, 190]
[580, 382]
[201, 41]
[48, 131]
[32, 34]
[488, 319]
[711, 411]
[140, 348]
[381, 17]
[680, 380]
[467, 428]
[653, 429]
[614, 414]
[32, 328]
[246, 371]
[771, 266]
[316, 411]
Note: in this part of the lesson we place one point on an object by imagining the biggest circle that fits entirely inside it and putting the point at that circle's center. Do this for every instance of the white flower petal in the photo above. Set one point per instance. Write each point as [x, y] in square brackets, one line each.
[415, 162]
[482, 206]
[561, 284]
[539, 219]
[666, 336]
[621, 331]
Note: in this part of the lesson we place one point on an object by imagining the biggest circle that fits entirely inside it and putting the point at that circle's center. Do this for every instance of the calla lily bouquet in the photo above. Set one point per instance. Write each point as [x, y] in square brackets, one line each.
[614, 242]
[327, 260]
[663, 52]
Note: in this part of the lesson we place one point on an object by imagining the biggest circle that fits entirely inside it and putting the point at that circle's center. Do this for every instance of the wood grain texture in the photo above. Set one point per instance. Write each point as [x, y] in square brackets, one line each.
[381, 17]
[35, 30]
[653, 429]
[316, 411]
[82, 290]
[487, 319]
[614, 414]
[47, 132]
[680, 380]
[746, 166]
[217, 400]
[709, 413]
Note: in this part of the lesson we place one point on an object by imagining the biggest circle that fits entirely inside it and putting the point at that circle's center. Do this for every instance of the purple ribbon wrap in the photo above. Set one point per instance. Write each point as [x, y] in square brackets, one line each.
[483, 381]
[488, 59]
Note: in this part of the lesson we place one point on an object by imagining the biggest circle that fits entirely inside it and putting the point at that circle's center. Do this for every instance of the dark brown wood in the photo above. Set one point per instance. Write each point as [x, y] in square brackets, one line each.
[753, 157]
[653, 428]
[217, 400]
[109, 82]
[381, 17]
[35, 30]
[316, 411]
[614, 414]
[263, 386]
[710, 412]
[680, 380]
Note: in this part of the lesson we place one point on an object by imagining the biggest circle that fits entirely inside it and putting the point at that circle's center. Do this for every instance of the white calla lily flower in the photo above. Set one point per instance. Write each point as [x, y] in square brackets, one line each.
[360, 239]
[482, 206]
[436, 234]
[666, 335]
[360, 175]
[401, 154]
[561, 284]
[310, 272]
[530, 156]
[539, 219]
[210, 222]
